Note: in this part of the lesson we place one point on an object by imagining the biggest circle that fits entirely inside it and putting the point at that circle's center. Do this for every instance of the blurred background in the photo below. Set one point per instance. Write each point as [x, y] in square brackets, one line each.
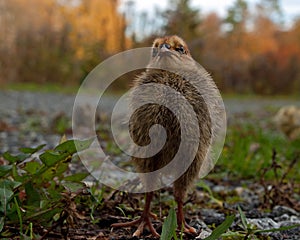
[249, 47]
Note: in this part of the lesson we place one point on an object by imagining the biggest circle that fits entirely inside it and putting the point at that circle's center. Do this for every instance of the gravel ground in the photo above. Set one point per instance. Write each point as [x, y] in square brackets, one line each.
[51, 103]
[21, 113]
[27, 119]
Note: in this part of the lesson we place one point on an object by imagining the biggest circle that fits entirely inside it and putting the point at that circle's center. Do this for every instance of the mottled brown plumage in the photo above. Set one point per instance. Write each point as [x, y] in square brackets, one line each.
[171, 65]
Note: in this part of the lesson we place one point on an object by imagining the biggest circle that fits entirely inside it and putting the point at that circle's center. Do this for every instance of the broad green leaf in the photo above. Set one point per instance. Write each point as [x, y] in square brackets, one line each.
[19, 177]
[83, 144]
[77, 177]
[32, 150]
[52, 172]
[1, 223]
[5, 169]
[50, 158]
[54, 194]
[32, 167]
[64, 150]
[169, 226]
[60, 169]
[216, 234]
[9, 184]
[16, 158]
[73, 146]
[5, 196]
[33, 196]
[45, 215]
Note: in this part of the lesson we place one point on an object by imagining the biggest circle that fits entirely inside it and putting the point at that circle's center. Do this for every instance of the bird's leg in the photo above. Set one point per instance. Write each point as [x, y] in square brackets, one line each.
[179, 195]
[143, 221]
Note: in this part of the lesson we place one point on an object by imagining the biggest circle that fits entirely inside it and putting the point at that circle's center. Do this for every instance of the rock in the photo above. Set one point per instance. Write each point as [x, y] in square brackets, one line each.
[276, 236]
[204, 234]
[199, 225]
[284, 217]
[210, 216]
[287, 120]
[293, 233]
[254, 147]
[239, 190]
[263, 223]
[253, 213]
[219, 189]
[281, 210]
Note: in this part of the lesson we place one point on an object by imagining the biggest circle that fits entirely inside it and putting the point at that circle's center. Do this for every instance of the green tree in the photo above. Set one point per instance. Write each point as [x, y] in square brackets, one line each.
[271, 9]
[181, 19]
[237, 16]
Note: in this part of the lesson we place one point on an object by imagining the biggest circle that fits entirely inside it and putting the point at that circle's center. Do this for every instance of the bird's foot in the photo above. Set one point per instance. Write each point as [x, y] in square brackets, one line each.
[183, 226]
[188, 229]
[142, 222]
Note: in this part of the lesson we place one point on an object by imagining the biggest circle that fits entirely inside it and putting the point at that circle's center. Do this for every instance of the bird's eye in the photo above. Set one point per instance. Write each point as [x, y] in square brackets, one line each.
[180, 49]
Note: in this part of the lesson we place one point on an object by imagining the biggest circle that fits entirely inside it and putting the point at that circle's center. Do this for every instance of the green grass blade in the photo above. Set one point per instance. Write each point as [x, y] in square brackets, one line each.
[19, 216]
[243, 218]
[169, 226]
[221, 228]
[278, 229]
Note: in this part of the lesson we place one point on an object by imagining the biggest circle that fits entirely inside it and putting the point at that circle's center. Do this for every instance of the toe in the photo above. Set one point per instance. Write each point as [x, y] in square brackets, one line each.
[189, 230]
[139, 230]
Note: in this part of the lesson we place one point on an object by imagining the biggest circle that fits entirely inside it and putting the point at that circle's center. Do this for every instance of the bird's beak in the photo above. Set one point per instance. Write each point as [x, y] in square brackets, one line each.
[165, 47]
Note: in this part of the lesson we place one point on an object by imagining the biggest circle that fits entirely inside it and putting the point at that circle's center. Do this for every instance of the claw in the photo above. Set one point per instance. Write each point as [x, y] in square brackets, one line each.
[181, 221]
[189, 230]
[143, 221]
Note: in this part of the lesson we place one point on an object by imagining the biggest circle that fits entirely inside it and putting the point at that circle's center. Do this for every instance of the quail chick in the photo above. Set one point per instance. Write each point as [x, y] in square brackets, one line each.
[172, 65]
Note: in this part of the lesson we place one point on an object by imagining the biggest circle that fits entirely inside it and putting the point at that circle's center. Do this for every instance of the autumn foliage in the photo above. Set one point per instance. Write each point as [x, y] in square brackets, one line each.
[60, 41]
[57, 41]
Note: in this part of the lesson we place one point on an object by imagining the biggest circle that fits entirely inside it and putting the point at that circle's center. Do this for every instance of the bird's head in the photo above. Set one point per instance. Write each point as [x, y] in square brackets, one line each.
[169, 44]
[169, 51]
